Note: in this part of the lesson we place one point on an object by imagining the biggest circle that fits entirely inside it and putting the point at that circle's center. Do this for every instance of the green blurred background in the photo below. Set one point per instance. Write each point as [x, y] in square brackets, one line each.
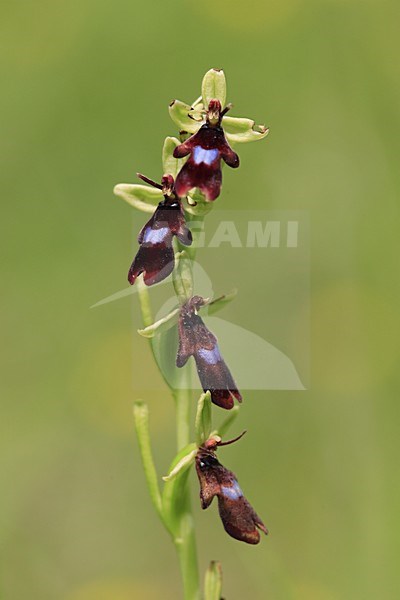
[84, 100]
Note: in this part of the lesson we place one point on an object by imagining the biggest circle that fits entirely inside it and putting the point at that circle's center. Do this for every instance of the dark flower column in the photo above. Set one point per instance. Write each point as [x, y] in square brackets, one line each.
[198, 341]
[206, 148]
[155, 257]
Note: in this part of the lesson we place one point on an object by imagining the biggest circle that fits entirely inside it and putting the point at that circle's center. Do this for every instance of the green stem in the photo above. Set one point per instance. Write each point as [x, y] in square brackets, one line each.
[187, 553]
[185, 541]
[183, 401]
[180, 519]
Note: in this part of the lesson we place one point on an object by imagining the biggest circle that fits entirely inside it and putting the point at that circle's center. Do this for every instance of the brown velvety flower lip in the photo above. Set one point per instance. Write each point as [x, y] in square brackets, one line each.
[155, 257]
[205, 148]
[196, 340]
[238, 517]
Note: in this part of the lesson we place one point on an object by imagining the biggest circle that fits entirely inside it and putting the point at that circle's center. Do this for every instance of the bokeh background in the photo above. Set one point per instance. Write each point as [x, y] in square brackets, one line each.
[84, 100]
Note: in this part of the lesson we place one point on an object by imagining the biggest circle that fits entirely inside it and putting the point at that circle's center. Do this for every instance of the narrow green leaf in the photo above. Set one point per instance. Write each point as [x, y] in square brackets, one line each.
[214, 86]
[141, 417]
[240, 130]
[161, 325]
[184, 463]
[171, 164]
[142, 197]
[203, 418]
[182, 277]
[213, 581]
[165, 347]
[179, 113]
[144, 301]
[174, 498]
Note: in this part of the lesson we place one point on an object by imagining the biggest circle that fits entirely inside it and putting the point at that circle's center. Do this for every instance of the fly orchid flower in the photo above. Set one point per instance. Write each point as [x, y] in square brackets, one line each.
[237, 515]
[155, 257]
[198, 341]
[190, 117]
[206, 149]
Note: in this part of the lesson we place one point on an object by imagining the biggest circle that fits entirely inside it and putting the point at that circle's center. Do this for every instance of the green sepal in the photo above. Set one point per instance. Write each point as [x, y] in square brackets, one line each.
[203, 418]
[174, 493]
[161, 325]
[214, 86]
[142, 197]
[182, 277]
[187, 456]
[179, 113]
[213, 581]
[171, 165]
[241, 130]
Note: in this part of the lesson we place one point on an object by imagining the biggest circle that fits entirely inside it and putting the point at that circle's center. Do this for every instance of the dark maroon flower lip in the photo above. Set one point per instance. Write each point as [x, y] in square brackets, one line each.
[238, 517]
[196, 340]
[155, 257]
[206, 148]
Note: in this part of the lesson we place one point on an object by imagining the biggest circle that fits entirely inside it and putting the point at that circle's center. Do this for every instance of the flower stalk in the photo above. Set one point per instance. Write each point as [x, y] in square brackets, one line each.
[174, 506]
[167, 244]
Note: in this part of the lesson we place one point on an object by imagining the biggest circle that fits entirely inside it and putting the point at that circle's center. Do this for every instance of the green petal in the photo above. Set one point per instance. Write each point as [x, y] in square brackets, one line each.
[214, 86]
[171, 164]
[179, 113]
[142, 197]
[241, 130]
[161, 325]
